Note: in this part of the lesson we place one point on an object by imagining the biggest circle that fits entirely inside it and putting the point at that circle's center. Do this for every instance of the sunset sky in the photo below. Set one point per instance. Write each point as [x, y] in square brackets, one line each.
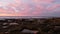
[30, 8]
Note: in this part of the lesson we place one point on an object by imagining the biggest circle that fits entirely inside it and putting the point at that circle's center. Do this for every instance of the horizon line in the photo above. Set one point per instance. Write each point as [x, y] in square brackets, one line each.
[16, 17]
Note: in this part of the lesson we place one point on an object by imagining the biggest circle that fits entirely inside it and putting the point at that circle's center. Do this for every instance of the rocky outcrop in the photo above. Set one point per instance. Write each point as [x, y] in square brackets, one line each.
[43, 26]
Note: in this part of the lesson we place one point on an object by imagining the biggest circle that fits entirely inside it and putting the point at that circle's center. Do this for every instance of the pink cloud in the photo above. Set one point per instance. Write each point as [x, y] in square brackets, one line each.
[25, 9]
[47, 1]
[43, 1]
[53, 7]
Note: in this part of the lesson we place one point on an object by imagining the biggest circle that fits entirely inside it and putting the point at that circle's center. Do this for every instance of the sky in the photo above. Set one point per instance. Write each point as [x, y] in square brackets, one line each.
[30, 8]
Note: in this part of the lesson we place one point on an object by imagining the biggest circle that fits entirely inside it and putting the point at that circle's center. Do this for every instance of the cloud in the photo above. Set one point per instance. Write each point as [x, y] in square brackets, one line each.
[54, 6]
[33, 8]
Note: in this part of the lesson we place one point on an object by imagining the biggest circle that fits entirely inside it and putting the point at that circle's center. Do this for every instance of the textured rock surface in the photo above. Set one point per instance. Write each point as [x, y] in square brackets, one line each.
[43, 26]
